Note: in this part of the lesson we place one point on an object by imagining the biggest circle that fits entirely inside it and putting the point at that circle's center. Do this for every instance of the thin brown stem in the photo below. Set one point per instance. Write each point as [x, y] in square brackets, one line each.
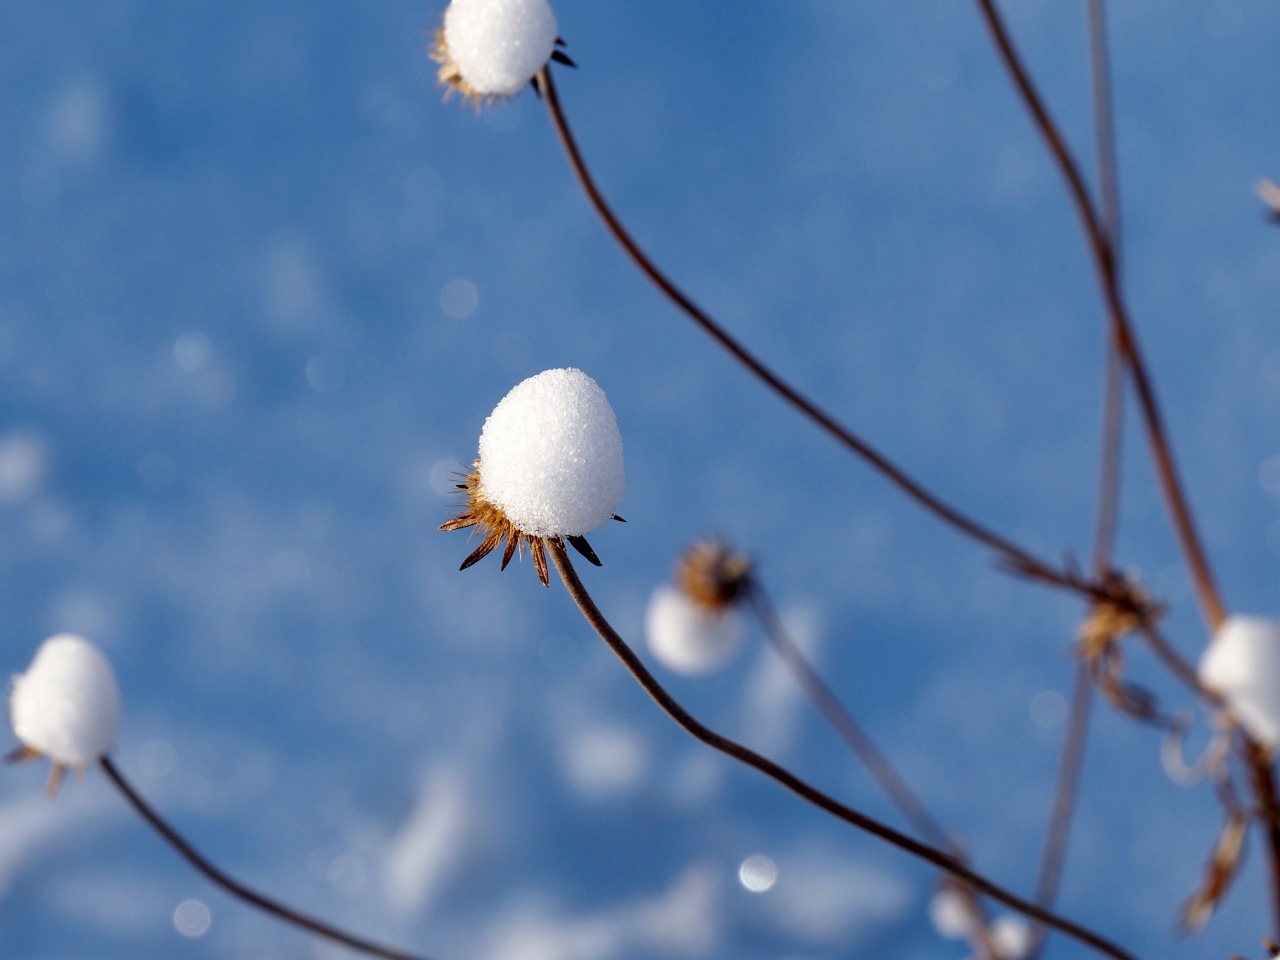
[1064, 800]
[841, 720]
[845, 726]
[801, 788]
[1262, 776]
[1122, 333]
[238, 889]
[1071, 762]
[1014, 555]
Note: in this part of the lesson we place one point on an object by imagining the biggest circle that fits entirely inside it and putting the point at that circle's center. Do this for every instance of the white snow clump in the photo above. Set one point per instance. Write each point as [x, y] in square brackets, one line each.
[551, 455]
[951, 913]
[498, 45]
[1012, 936]
[690, 637]
[66, 706]
[1243, 665]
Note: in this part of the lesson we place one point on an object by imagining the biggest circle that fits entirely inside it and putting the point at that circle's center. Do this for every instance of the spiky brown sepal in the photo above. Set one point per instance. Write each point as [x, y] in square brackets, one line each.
[490, 521]
[450, 77]
[713, 575]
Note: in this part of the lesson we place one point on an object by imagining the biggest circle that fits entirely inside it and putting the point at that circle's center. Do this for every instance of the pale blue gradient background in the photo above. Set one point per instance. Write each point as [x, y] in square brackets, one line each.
[234, 383]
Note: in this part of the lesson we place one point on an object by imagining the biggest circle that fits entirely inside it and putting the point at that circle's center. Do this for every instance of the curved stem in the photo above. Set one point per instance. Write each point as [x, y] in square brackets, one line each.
[1064, 800]
[1011, 552]
[869, 755]
[845, 726]
[801, 788]
[235, 887]
[1106, 521]
[1211, 604]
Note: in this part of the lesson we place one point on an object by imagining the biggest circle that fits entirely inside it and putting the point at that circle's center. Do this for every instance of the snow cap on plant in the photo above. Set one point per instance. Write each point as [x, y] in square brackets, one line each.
[66, 706]
[1243, 665]
[550, 468]
[694, 627]
[489, 49]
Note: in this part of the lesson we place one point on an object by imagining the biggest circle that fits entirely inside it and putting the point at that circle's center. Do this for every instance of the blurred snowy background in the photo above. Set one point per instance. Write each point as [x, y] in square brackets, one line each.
[259, 288]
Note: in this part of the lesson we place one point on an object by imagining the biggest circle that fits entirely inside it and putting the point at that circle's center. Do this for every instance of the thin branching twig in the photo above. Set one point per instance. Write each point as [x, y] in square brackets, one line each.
[235, 887]
[1014, 555]
[1211, 604]
[1107, 517]
[842, 721]
[802, 788]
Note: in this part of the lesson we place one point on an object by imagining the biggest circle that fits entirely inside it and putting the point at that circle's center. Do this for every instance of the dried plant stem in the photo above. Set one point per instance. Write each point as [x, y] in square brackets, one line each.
[845, 726]
[1071, 762]
[1064, 800]
[801, 788]
[1264, 788]
[237, 889]
[869, 755]
[1122, 333]
[1014, 555]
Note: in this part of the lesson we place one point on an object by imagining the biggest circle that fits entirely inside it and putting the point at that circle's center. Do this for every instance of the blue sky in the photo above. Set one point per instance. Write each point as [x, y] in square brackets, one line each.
[259, 288]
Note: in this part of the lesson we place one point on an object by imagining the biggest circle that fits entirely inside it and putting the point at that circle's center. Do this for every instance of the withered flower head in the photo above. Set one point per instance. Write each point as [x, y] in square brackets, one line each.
[550, 468]
[65, 707]
[713, 575]
[488, 50]
[695, 627]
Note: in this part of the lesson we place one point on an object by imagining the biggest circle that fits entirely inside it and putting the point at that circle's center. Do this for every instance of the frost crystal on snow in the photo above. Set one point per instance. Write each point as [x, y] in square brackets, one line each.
[496, 46]
[66, 706]
[1243, 665]
[689, 637]
[551, 455]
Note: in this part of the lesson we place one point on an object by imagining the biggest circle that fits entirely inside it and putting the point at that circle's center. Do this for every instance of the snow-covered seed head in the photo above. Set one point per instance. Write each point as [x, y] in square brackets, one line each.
[550, 467]
[1242, 664]
[695, 627]
[489, 50]
[66, 706]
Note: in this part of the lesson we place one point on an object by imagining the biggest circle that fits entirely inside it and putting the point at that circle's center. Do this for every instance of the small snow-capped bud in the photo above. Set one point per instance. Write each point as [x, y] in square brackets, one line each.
[689, 637]
[66, 706]
[1012, 936]
[550, 468]
[551, 455]
[490, 49]
[1243, 665]
[952, 913]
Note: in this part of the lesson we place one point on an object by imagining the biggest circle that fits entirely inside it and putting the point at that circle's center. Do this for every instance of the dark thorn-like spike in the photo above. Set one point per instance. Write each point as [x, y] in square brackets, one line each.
[21, 755]
[55, 780]
[483, 550]
[560, 57]
[461, 486]
[513, 541]
[620, 519]
[539, 551]
[561, 42]
[580, 544]
[458, 523]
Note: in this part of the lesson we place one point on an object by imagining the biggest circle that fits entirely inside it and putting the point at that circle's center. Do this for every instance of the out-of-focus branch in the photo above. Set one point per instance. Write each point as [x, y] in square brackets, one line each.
[235, 887]
[801, 788]
[841, 720]
[1018, 558]
[1100, 247]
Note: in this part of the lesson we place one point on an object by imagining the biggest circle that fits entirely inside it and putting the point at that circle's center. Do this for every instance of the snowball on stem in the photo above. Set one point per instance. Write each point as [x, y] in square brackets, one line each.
[490, 49]
[66, 706]
[1242, 664]
[550, 468]
[689, 637]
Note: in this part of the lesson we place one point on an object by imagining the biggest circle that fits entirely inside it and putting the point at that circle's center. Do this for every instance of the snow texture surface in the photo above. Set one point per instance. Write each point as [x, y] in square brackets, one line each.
[67, 705]
[686, 636]
[1243, 664]
[551, 455]
[498, 45]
